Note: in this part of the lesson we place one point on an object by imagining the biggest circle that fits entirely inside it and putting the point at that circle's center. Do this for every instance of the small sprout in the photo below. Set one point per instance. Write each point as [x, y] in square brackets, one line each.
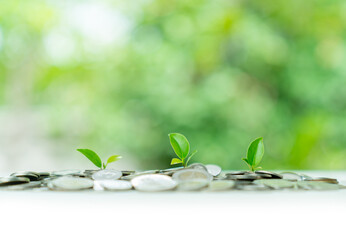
[181, 147]
[254, 154]
[96, 160]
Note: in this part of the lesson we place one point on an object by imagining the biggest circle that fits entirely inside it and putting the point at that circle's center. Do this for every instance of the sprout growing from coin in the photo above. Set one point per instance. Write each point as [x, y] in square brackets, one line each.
[96, 160]
[181, 147]
[254, 154]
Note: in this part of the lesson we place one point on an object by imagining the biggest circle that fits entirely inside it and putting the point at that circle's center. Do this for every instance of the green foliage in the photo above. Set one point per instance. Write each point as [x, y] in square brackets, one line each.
[255, 153]
[218, 71]
[181, 147]
[96, 160]
[92, 156]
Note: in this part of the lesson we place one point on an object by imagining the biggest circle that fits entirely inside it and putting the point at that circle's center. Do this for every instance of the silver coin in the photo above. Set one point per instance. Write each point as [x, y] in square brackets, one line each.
[324, 179]
[24, 186]
[43, 174]
[265, 174]
[213, 169]
[305, 177]
[132, 176]
[221, 185]
[153, 183]
[192, 185]
[275, 183]
[237, 173]
[126, 172]
[291, 176]
[198, 166]
[311, 185]
[33, 176]
[117, 185]
[192, 174]
[107, 174]
[221, 176]
[70, 183]
[171, 169]
[6, 181]
[90, 171]
[244, 177]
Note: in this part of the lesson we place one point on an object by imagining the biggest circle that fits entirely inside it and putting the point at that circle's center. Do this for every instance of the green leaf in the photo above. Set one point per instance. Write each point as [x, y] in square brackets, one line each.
[180, 145]
[245, 159]
[255, 152]
[193, 153]
[113, 159]
[176, 161]
[92, 156]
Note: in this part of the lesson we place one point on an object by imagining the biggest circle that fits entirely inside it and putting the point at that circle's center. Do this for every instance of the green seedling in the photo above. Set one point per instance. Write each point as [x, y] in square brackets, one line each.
[254, 154]
[96, 160]
[181, 147]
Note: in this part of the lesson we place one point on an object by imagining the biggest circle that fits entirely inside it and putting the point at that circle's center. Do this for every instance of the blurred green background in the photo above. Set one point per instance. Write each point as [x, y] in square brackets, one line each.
[118, 76]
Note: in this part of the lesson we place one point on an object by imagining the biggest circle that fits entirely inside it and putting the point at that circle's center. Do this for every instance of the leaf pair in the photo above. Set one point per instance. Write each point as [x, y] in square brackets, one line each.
[96, 160]
[255, 153]
[181, 147]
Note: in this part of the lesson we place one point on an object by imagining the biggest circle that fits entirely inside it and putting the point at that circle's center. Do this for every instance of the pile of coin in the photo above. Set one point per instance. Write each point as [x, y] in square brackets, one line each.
[196, 177]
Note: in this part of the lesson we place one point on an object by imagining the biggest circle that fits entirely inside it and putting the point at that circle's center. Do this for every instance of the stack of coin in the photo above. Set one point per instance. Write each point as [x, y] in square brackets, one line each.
[196, 177]
[251, 176]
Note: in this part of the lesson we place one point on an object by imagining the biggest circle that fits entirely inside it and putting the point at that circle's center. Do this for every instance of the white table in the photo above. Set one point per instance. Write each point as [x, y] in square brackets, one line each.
[176, 215]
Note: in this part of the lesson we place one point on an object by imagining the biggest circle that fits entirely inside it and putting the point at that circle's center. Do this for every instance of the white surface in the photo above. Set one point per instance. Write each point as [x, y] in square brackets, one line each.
[175, 215]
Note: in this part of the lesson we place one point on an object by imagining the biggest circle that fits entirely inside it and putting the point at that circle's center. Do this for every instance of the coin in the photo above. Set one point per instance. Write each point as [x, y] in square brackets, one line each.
[191, 174]
[107, 174]
[24, 186]
[237, 173]
[31, 175]
[192, 185]
[171, 169]
[275, 183]
[221, 185]
[245, 177]
[116, 184]
[90, 171]
[265, 176]
[272, 174]
[126, 172]
[70, 183]
[153, 183]
[324, 179]
[43, 174]
[213, 169]
[6, 181]
[291, 176]
[198, 166]
[311, 185]
[221, 176]
[305, 177]
[82, 175]
[132, 176]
